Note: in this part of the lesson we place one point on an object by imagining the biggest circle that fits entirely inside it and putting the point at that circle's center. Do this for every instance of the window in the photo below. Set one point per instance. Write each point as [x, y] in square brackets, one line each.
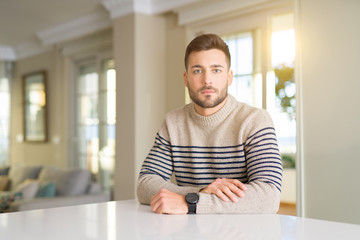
[5, 112]
[278, 94]
[247, 83]
[95, 119]
[281, 86]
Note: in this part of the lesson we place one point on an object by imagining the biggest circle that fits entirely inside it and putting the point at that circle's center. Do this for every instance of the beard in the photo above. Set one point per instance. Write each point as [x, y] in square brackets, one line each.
[208, 102]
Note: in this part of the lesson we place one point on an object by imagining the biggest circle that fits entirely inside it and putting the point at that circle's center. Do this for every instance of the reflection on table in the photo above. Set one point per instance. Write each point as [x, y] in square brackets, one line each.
[130, 220]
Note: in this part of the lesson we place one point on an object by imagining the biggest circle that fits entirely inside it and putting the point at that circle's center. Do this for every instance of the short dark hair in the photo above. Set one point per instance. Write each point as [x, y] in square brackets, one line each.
[206, 42]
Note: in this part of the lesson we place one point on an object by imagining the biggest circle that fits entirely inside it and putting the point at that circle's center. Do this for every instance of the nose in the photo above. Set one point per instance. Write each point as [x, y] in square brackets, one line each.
[207, 80]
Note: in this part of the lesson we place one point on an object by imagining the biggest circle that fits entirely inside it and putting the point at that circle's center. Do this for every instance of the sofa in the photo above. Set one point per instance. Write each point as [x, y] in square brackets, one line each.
[37, 187]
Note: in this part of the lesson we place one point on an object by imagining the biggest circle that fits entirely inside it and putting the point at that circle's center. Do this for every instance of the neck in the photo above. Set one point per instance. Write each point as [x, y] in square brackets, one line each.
[209, 111]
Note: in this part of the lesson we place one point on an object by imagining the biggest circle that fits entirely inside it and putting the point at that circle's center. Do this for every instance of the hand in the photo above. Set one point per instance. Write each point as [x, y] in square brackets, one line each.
[167, 202]
[226, 188]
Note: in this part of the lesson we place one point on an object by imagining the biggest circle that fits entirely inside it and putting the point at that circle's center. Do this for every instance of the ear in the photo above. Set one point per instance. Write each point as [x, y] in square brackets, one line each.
[185, 79]
[230, 77]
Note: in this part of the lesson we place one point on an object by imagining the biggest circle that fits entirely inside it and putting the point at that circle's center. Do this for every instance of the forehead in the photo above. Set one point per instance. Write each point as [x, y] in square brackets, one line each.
[212, 56]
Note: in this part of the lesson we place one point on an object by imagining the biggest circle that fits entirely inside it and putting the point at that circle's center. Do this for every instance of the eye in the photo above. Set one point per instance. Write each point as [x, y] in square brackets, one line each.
[216, 70]
[197, 71]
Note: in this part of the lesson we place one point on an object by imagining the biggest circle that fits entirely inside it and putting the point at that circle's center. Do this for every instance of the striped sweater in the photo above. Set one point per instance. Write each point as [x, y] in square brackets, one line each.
[237, 142]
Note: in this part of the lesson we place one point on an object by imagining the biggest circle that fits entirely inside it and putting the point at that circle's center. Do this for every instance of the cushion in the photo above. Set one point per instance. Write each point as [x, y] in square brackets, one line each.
[46, 189]
[28, 188]
[6, 199]
[18, 174]
[94, 188]
[4, 170]
[67, 181]
[4, 183]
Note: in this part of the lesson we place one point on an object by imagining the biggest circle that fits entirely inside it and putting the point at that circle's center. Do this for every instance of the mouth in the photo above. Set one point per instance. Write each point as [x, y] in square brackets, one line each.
[207, 91]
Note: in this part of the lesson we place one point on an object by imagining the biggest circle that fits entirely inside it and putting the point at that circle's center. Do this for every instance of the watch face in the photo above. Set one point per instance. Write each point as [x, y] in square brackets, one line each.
[192, 198]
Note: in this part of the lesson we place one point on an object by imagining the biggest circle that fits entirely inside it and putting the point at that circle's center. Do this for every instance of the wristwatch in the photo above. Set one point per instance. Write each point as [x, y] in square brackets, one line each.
[191, 200]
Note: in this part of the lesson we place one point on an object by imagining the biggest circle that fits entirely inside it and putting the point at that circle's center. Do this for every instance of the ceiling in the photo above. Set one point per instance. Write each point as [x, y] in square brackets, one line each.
[26, 26]
[30, 27]
[20, 20]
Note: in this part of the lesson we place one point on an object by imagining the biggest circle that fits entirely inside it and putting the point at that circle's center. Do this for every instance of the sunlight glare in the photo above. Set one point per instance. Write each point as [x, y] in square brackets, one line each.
[283, 47]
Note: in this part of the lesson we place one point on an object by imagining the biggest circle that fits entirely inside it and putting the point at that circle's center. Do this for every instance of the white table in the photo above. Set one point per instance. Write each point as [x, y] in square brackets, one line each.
[129, 220]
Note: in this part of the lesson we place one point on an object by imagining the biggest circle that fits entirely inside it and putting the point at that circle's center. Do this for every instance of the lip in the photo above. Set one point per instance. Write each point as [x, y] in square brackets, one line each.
[207, 92]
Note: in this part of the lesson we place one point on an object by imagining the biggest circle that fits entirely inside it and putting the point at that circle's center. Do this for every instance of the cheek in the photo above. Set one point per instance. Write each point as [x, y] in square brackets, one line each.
[193, 82]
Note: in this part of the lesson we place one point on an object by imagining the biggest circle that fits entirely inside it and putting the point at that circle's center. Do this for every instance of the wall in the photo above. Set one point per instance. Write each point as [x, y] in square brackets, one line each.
[139, 53]
[329, 94]
[175, 52]
[39, 153]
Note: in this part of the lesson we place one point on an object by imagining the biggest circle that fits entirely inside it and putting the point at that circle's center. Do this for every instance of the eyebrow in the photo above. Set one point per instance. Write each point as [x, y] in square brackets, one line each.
[212, 66]
[217, 66]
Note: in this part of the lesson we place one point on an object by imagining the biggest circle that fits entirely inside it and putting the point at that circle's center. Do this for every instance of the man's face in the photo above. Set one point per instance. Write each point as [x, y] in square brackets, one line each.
[207, 79]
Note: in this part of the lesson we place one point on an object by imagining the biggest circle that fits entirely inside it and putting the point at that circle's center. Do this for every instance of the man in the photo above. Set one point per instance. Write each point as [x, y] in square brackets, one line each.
[224, 153]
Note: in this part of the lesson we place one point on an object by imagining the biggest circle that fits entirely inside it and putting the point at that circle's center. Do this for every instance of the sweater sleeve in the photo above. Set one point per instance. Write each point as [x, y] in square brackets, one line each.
[157, 170]
[264, 173]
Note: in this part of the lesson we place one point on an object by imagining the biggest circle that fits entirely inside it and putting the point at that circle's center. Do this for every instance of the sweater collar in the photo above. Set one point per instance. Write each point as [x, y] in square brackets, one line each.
[215, 118]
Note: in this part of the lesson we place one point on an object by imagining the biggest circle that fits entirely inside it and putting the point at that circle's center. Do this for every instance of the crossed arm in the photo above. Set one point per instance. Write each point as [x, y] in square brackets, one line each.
[168, 202]
[259, 194]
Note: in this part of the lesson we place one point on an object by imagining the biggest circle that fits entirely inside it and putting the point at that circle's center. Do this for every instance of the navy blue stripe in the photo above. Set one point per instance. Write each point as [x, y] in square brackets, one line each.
[205, 183]
[210, 163]
[194, 152]
[260, 136]
[193, 157]
[269, 181]
[275, 183]
[163, 139]
[262, 140]
[227, 152]
[200, 147]
[265, 171]
[157, 160]
[201, 179]
[157, 172]
[161, 148]
[264, 129]
[163, 174]
[269, 151]
[166, 159]
[250, 159]
[146, 164]
[192, 183]
[250, 172]
[166, 155]
[262, 149]
[154, 173]
[193, 178]
[260, 163]
[209, 168]
[212, 173]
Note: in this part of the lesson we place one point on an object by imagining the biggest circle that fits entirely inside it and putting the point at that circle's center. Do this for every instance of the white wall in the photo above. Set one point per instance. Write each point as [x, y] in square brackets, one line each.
[48, 153]
[329, 79]
[139, 53]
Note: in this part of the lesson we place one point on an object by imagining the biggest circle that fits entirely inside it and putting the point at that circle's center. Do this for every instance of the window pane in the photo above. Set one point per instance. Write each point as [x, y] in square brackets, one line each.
[96, 118]
[281, 91]
[5, 70]
[241, 89]
[247, 84]
[244, 56]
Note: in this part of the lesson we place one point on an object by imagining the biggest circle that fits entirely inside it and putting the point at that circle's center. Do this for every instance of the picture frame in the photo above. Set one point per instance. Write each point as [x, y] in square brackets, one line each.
[35, 107]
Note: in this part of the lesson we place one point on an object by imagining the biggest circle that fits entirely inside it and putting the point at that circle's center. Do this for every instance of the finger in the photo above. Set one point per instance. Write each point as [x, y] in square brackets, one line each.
[154, 206]
[221, 195]
[155, 202]
[237, 191]
[240, 185]
[230, 194]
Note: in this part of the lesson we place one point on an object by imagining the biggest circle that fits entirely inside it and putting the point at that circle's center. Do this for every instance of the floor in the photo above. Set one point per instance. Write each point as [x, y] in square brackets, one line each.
[287, 209]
